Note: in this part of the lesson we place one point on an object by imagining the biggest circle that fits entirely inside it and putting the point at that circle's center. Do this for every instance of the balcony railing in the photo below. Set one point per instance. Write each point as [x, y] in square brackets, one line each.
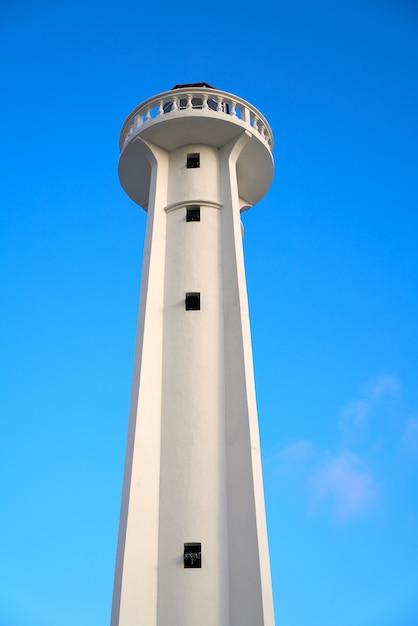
[211, 101]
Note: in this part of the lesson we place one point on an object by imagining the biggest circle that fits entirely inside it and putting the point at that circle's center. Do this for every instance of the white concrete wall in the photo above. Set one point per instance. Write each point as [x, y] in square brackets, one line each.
[250, 592]
[187, 185]
[136, 573]
[193, 438]
[193, 491]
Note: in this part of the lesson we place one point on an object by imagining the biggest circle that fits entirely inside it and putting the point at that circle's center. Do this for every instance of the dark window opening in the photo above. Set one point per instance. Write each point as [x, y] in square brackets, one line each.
[193, 160]
[192, 555]
[213, 104]
[193, 214]
[193, 301]
[197, 103]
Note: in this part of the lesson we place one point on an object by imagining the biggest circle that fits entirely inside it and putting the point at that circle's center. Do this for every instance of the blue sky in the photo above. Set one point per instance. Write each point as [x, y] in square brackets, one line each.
[331, 258]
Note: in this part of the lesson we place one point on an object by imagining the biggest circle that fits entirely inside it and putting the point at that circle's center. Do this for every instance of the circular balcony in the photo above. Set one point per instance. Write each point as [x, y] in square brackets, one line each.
[196, 115]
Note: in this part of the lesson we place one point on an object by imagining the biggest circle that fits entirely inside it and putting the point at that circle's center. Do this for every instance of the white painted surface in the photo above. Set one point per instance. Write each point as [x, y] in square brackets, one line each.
[193, 470]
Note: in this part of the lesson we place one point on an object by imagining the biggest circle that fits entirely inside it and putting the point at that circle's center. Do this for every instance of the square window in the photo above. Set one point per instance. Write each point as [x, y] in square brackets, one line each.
[193, 301]
[192, 555]
[193, 160]
[193, 213]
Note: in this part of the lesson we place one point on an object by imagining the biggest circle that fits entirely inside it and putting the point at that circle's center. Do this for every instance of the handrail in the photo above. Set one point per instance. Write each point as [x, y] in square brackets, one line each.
[186, 99]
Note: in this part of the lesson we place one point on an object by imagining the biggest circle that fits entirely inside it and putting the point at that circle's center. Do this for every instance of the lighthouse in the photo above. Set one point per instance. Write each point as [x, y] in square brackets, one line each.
[192, 546]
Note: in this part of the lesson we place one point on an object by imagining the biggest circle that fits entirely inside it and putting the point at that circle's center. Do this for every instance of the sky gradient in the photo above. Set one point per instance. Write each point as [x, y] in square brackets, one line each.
[332, 267]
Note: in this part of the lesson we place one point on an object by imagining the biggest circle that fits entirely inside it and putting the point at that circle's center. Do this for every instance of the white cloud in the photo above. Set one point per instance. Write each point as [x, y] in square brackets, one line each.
[356, 412]
[346, 483]
[410, 434]
[383, 385]
[343, 483]
[297, 452]
[376, 396]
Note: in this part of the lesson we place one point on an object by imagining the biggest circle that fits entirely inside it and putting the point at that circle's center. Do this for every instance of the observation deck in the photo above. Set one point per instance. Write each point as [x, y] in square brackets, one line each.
[191, 115]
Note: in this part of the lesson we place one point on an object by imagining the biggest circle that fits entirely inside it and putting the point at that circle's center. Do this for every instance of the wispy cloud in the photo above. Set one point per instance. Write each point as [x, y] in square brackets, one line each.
[356, 412]
[410, 434]
[297, 452]
[346, 478]
[346, 483]
[376, 392]
[342, 482]
[383, 385]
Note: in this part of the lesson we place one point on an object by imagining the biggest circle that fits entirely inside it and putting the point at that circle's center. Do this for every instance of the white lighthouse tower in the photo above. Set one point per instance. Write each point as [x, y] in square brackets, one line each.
[192, 548]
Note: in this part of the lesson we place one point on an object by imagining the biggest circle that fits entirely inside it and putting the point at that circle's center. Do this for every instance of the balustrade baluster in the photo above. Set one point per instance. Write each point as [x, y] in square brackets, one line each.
[204, 101]
[219, 106]
[189, 101]
[233, 111]
[160, 107]
[148, 115]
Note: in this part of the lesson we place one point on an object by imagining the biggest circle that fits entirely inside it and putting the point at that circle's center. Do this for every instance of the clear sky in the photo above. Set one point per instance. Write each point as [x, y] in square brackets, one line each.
[332, 263]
